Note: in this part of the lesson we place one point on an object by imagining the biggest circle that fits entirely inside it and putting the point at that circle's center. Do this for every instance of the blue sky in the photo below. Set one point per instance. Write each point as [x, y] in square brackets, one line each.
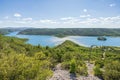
[60, 13]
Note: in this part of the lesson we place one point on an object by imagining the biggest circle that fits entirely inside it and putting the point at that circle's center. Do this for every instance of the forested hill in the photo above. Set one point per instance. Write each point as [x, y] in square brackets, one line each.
[8, 30]
[61, 32]
[5, 30]
[20, 61]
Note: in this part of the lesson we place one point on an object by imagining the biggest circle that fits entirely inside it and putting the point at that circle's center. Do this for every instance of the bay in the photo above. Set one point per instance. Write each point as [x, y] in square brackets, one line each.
[52, 41]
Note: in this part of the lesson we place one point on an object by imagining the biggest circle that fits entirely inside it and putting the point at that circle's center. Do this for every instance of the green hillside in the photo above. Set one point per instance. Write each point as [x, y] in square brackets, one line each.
[61, 32]
[4, 31]
[20, 61]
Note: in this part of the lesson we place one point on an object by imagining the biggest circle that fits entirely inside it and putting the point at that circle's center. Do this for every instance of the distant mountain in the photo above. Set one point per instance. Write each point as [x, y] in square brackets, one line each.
[10, 29]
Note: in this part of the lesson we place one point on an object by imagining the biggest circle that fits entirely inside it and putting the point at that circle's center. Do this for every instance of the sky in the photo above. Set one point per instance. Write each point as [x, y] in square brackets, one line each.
[60, 13]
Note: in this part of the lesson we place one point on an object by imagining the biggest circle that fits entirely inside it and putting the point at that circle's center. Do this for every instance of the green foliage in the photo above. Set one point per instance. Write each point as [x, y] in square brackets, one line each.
[21, 67]
[20, 61]
[4, 31]
[98, 72]
[40, 56]
[72, 66]
[81, 68]
[66, 65]
[99, 63]
[112, 71]
[62, 32]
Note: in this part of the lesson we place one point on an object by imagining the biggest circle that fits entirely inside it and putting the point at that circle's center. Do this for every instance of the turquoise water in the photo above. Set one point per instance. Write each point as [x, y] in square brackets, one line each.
[44, 40]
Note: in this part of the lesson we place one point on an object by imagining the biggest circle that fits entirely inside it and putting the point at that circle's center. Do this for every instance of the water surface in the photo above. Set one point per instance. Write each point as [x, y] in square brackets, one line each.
[44, 40]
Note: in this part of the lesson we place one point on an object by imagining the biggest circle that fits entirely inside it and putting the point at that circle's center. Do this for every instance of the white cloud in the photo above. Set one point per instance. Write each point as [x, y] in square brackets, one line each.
[47, 21]
[67, 18]
[100, 22]
[17, 15]
[84, 21]
[85, 10]
[27, 19]
[112, 5]
[84, 16]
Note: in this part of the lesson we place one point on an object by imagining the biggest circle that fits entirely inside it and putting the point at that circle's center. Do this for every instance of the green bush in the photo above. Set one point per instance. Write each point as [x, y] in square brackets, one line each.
[72, 66]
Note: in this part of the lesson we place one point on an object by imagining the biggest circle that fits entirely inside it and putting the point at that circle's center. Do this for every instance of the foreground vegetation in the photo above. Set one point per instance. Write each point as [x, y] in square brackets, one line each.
[62, 32]
[20, 61]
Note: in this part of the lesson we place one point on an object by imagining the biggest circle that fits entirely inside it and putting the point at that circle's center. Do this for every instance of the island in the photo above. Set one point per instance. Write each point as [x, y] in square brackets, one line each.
[102, 38]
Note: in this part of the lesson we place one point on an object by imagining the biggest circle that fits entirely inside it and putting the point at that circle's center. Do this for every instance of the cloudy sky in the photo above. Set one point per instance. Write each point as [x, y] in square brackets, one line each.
[60, 13]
